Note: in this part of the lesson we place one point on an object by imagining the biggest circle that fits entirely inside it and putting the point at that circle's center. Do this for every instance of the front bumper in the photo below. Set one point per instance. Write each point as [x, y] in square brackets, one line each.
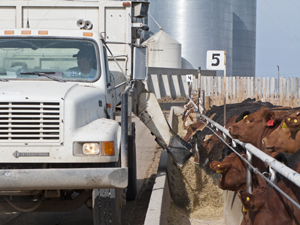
[53, 179]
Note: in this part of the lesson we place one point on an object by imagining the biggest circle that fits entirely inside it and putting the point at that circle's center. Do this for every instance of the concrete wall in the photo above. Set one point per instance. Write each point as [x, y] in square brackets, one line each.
[172, 82]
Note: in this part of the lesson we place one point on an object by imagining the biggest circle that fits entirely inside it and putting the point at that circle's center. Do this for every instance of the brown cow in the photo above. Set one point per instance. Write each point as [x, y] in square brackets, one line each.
[286, 137]
[255, 126]
[270, 207]
[233, 171]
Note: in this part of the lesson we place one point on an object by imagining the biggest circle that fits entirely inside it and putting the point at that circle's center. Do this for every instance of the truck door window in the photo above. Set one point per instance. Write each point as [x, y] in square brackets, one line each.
[68, 59]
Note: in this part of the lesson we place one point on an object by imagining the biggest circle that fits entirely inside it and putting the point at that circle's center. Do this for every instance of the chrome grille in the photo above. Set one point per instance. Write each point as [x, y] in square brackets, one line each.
[25, 121]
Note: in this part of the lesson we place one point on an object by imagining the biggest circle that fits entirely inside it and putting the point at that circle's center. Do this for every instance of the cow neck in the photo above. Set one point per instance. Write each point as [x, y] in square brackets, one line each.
[265, 131]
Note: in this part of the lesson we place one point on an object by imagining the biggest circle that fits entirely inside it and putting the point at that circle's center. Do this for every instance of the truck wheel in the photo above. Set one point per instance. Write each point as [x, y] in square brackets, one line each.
[132, 181]
[107, 206]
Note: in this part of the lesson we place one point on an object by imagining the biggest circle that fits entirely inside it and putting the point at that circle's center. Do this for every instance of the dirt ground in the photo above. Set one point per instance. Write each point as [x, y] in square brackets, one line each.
[170, 99]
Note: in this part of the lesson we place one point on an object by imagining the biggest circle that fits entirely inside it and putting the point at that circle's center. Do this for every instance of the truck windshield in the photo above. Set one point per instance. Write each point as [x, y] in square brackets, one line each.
[64, 59]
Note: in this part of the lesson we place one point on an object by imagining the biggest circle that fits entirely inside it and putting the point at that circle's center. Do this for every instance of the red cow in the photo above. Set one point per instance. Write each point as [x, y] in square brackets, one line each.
[270, 207]
[286, 137]
[255, 126]
[233, 171]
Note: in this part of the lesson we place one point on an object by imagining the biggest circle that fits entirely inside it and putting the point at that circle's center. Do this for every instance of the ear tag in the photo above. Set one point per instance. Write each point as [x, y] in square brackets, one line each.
[245, 210]
[270, 123]
[284, 125]
[248, 199]
[295, 120]
[289, 119]
[245, 116]
[219, 165]
[218, 171]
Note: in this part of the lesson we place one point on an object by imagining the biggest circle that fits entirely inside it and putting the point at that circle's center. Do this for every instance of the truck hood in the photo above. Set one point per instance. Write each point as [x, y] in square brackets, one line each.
[33, 91]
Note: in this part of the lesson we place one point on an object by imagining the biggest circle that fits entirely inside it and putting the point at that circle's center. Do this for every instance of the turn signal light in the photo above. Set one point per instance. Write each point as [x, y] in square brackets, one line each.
[108, 148]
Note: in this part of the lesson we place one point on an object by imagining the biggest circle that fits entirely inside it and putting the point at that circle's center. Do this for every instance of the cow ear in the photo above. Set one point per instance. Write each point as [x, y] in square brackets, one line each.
[269, 119]
[242, 116]
[294, 124]
[251, 202]
[220, 167]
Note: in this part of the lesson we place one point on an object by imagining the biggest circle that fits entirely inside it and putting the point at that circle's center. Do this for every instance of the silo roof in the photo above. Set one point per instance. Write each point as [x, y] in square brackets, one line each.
[161, 36]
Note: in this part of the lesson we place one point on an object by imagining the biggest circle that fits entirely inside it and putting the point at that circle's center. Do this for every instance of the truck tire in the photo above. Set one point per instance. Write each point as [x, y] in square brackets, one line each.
[107, 206]
[132, 179]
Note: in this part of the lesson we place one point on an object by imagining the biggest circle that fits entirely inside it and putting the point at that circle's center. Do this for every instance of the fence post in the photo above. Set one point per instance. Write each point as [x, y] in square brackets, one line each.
[268, 89]
[273, 90]
[219, 90]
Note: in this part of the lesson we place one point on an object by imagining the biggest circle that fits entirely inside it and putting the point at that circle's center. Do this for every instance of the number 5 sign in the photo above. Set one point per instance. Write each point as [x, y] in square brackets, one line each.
[215, 60]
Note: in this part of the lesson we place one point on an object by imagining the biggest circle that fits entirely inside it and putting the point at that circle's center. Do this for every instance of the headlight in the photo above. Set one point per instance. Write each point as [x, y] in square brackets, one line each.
[91, 149]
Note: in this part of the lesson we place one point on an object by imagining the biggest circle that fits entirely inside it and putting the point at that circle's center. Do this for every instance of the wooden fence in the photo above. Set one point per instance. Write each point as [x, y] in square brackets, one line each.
[265, 89]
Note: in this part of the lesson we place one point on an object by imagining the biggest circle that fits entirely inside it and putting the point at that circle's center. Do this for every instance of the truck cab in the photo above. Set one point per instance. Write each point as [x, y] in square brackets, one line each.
[58, 133]
[60, 144]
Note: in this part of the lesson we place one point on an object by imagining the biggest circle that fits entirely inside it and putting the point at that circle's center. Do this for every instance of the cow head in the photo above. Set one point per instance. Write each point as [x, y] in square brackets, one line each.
[251, 202]
[233, 171]
[252, 125]
[285, 138]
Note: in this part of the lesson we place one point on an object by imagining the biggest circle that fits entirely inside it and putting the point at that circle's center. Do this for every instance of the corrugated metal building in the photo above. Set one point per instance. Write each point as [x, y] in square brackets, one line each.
[201, 25]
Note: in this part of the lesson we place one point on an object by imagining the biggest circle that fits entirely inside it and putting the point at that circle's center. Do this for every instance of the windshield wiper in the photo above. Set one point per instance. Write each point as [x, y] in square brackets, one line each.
[3, 80]
[44, 74]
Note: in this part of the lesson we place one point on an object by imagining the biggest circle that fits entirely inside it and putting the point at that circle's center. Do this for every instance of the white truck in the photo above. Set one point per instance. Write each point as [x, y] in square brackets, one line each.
[65, 66]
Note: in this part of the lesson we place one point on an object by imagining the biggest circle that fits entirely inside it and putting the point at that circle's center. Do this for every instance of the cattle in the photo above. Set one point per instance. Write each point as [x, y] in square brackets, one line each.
[233, 170]
[209, 145]
[269, 206]
[255, 126]
[286, 137]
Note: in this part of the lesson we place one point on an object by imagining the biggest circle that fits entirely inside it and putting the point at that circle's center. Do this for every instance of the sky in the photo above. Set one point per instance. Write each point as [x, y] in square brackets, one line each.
[278, 38]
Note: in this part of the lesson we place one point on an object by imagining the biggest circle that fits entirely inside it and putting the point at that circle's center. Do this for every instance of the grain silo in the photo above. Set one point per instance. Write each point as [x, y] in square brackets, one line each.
[163, 51]
[201, 25]
[244, 37]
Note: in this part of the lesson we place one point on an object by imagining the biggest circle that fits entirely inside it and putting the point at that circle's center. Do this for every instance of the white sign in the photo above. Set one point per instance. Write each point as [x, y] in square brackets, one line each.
[189, 78]
[215, 60]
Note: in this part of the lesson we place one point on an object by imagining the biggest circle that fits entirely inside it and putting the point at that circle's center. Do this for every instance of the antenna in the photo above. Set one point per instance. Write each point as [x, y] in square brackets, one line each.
[27, 25]
[155, 21]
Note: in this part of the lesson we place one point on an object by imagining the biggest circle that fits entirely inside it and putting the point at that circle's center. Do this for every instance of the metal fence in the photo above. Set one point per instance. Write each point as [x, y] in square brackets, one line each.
[250, 149]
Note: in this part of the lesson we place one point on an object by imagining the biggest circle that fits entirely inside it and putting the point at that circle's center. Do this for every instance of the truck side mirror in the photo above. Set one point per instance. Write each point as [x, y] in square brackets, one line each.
[139, 63]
